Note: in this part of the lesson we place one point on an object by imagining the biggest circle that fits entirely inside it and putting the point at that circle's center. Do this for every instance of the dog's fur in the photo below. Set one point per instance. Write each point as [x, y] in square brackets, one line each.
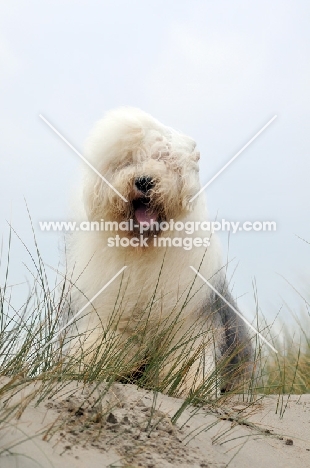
[156, 169]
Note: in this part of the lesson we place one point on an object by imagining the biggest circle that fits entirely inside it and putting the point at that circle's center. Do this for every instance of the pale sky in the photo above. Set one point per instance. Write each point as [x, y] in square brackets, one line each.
[217, 70]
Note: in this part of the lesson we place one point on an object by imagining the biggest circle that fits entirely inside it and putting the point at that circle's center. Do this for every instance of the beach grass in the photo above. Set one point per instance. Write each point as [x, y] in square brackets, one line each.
[32, 358]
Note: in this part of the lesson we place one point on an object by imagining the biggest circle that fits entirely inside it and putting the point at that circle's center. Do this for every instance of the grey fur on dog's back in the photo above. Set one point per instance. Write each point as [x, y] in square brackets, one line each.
[234, 347]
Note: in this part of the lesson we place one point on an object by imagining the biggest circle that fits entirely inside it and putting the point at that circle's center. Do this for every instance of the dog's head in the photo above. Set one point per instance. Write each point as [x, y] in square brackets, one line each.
[152, 166]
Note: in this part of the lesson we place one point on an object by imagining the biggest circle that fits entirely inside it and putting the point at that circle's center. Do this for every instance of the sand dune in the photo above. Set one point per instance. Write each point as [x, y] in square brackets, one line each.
[74, 429]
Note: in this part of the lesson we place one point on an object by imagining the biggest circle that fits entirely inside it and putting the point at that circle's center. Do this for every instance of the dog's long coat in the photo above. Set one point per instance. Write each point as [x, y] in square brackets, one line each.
[155, 168]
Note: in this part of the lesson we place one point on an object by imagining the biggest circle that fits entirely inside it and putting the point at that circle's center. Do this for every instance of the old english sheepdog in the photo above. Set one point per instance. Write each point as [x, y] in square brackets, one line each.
[140, 215]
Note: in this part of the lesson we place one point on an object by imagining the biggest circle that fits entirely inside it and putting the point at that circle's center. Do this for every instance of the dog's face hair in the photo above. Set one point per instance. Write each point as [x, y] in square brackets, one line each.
[155, 168]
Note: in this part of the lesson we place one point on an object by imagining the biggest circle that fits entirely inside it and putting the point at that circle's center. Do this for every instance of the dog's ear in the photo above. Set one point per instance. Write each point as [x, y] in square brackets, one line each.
[195, 156]
[93, 198]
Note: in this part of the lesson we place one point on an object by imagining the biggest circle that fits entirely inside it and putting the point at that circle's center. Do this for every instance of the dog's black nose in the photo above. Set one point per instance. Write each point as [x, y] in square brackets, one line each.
[144, 184]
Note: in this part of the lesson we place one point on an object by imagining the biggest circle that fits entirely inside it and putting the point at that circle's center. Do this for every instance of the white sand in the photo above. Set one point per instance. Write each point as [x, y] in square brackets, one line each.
[83, 433]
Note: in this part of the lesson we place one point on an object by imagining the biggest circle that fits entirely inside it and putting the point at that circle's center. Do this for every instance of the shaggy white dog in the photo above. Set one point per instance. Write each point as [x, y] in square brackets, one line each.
[155, 170]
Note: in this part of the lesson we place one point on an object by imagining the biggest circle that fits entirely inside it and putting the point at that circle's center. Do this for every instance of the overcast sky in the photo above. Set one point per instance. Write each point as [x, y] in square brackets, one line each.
[217, 70]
